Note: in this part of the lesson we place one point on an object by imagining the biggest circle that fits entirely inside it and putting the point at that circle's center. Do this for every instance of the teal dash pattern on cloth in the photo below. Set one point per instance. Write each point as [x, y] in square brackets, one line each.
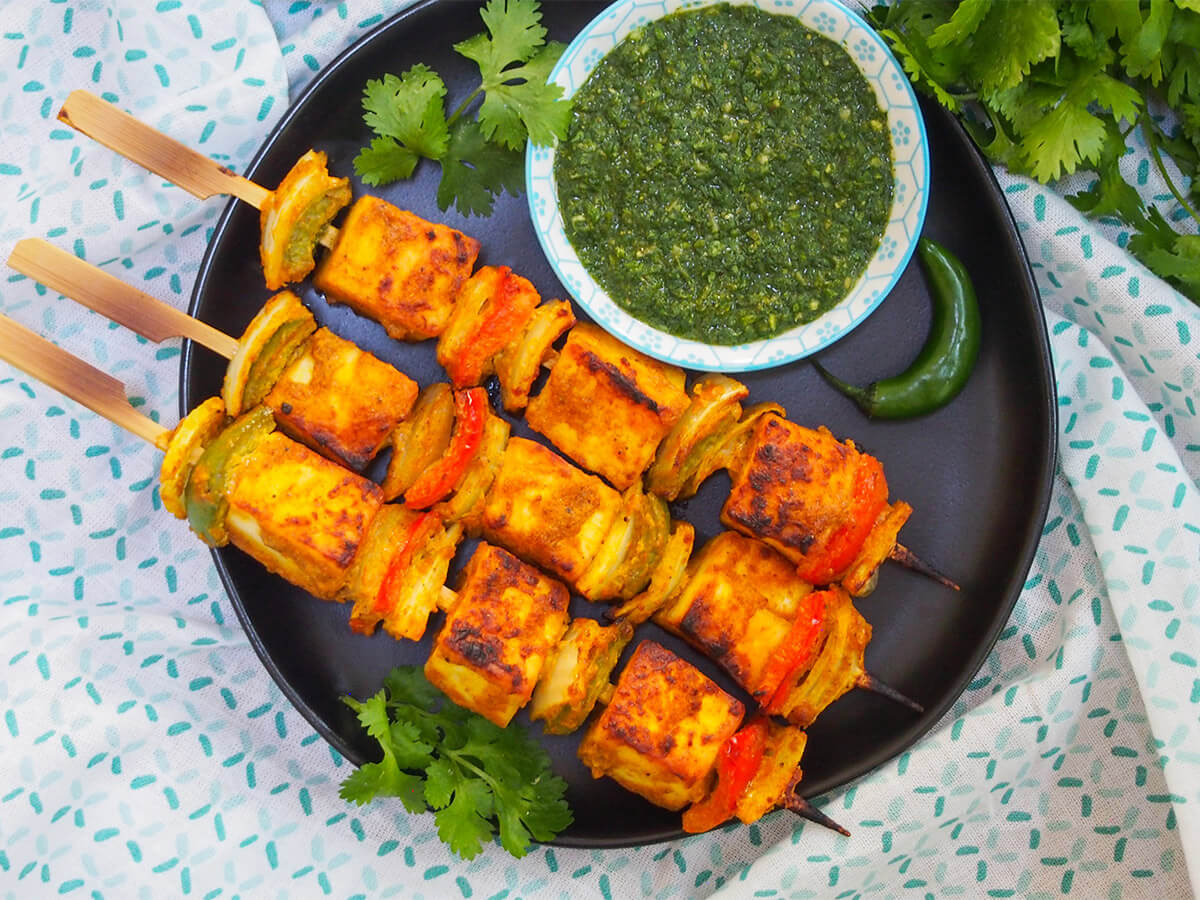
[145, 753]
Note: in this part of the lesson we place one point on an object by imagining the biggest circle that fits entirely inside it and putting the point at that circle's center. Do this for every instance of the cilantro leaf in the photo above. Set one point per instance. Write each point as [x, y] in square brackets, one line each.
[514, 62]
[547, 812]
[1179, 263]
[996, 142]
[478, 778]
[515, 32]
[441, 778]
[1061, 140]
[474, 171]
[962, 24]
[1114, 18]
[907, 50]
[1111, 194]
[408, 685]
[1181, 57]
[525, 104]
[384, 161]
[480, 155]
[1141, 51]
[384, 778]
[1052, 87]
[409, 110]
[1010, 39]
[1119, 98]
[464, 824]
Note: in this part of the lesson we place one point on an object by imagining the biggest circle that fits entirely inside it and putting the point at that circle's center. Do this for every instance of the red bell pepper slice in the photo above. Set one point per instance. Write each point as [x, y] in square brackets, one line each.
[509, 310]
[798, 651]
[737, 762]
[440, 479]
[869, 498]
[417, 532]
[385, 598]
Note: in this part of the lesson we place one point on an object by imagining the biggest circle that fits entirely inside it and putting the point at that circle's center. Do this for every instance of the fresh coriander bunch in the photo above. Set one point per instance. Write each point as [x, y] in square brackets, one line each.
[475, 776]
[1051, 87]
[479, 145]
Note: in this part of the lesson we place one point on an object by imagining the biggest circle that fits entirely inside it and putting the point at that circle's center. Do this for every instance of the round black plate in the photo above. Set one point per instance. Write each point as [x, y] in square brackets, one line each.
[978, 472]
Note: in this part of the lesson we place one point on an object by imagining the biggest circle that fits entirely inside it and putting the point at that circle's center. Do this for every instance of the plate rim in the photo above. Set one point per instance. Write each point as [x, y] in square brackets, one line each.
[899, 743]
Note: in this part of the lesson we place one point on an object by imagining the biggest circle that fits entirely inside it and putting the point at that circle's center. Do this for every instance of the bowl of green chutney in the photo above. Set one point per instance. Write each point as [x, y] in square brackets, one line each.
[741, 183]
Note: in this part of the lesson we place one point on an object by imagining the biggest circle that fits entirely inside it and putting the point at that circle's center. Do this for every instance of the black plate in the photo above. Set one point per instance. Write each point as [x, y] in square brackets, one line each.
[977, 472]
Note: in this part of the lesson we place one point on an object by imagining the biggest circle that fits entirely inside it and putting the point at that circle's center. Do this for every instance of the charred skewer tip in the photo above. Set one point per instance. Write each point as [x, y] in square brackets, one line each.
[910, 560]
[870, 683]
[806, 810]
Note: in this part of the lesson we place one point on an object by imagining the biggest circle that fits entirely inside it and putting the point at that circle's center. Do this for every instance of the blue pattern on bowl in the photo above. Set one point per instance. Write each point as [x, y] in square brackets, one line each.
[910, 151]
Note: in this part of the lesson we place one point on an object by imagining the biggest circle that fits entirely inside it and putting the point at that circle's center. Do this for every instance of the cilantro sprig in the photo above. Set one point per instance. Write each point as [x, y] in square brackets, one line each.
[474, 775]
[1052, 87]
[478, 144]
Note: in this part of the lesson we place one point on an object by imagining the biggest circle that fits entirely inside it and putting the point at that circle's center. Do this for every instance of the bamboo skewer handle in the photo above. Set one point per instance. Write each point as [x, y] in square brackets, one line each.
[153, 150]
[163, 155]
[70, 375]
[110, 296]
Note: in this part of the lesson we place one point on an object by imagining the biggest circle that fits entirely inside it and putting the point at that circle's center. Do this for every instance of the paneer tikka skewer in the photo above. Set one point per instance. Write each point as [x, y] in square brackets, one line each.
[504, 606]
[605, 545]
[343, 402]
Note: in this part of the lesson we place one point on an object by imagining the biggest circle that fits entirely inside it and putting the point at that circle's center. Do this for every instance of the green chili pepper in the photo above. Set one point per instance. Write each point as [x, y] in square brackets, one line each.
[948, 356]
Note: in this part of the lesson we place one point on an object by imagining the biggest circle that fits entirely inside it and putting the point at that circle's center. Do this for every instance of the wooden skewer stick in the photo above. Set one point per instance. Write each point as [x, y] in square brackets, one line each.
[869, 682]
[84, 384]
[806, 810]
[153, 150]
[111, 297]
[910, 560]
[164, 156]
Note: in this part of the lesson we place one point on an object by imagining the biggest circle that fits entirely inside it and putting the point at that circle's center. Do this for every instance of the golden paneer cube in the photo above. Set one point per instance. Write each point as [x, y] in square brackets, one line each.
[508, 618]
[548, 511]
[396, 268]
[794, 488]
[737, 605]
[608, 406]
[662, 729]
[340, 400]
[300, 515]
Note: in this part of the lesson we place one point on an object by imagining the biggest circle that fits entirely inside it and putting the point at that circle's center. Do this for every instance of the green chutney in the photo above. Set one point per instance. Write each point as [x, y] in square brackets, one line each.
[727, 174]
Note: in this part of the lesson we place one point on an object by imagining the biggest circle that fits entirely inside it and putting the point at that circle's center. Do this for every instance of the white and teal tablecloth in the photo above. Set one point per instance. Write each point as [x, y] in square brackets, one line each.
[145, 753]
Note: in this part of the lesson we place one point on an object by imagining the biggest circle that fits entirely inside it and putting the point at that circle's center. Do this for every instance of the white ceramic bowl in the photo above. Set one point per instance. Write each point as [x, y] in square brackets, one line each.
[910, 152]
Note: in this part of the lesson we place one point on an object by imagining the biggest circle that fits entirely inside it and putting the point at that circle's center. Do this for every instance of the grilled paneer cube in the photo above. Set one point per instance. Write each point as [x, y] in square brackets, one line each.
[548, 511]
[736, 606]
[396, 268]
[608, 406]
[300, 515]
[508, 618]
[813, 498]
[340, 400]
[662, 729]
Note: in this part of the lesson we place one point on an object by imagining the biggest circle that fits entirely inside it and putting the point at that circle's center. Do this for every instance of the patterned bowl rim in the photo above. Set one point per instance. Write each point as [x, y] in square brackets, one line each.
[883, 270]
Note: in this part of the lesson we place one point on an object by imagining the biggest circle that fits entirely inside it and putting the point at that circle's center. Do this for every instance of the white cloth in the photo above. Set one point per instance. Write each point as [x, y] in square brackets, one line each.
[144, 751]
